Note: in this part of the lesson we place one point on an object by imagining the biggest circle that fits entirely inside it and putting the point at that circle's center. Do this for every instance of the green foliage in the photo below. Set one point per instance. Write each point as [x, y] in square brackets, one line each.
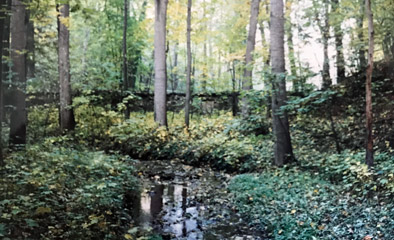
[55, 190]
[291, 204]
[43, 122]
[214, 140]
[349, 170]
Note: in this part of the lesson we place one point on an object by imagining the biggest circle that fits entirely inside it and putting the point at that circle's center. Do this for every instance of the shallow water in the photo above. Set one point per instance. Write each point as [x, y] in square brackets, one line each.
[182, 202]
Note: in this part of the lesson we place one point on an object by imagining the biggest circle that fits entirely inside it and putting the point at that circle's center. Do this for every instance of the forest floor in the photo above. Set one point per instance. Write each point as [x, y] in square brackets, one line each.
[183, 202]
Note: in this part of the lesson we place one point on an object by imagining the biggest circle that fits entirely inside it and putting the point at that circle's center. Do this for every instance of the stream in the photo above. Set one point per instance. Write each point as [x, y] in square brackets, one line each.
[183, 202]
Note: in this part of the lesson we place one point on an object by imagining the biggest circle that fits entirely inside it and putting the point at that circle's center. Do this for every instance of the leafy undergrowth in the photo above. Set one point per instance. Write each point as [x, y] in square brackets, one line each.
[209, 141]
[349, 170]
[55, 190]
[218, 140]
[292, 204]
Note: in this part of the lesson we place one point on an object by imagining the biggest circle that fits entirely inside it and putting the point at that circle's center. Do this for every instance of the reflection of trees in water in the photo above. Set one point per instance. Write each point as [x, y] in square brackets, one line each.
[156, 204]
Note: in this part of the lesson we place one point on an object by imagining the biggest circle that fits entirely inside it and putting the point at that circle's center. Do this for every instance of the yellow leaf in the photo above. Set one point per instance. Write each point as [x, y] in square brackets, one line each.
[321, 227]
[280, 231]
[293, 211]
[128, 236]
[43, 210]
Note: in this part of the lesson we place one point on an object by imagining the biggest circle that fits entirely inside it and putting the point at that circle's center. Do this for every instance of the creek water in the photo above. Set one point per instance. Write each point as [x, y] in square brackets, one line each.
[181, 202]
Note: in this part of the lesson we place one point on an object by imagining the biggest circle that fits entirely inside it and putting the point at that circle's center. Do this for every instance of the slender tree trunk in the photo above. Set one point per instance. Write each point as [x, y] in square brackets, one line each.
[234, 86]
[160, 100]
[125, 79]
[3, 11]
[326, 35]
[30, 60]
[361, 50]
[369, 148]
[283, 148]
[338, 34]
[290, 43]
[67, 121]
[174, 71]
[85, 45]
[125, 71]
[266, 59]
[19, 20]
[247, 83]
[204, 78]
[6, 56]
[189, 64]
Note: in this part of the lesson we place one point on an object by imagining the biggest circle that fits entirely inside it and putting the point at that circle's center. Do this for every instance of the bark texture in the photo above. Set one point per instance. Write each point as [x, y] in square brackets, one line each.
[283, 148]
[325, 31]
[18, 122]
[67, 121]
[361, 50]
[369, 148]
[247, 83]
[338, 34]
[160, 99]
[30, 47]
[126, 84]
[189, 64]
[3, 10]
[125, 18]
[290, 43]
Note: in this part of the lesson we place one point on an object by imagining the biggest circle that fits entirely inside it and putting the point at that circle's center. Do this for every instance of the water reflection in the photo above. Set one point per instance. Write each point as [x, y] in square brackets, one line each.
[170, 204]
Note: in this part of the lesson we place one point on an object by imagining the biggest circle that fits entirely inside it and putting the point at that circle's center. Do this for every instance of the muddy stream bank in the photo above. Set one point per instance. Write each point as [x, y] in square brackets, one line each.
[183, 202]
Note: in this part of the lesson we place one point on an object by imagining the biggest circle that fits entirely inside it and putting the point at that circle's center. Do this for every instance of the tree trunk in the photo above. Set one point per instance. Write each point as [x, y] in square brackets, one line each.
[160, 99]
[290, 43]
[174, 71]
[266, 59]
[67, 121]
[125, 73]
[189, 64]
[18, 122]
[30, 61]
[325, 30]
[283, 148]
[5, 56]
[361, 50]
[3, 6]
[125, 79]
[235, 96]
[247, 83]
[338, 34]
[369, 148]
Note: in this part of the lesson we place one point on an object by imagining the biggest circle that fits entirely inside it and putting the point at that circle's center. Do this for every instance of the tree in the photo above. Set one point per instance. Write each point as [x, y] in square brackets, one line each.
[324, 27]
[3, 15]
[360, 35]
[160, 98]
[283, 148]
[18, 122]
[67, 121]
[290, 43]
[338, 35]
[189, 63]
[247, 83]
[368, 86]
[125, 73]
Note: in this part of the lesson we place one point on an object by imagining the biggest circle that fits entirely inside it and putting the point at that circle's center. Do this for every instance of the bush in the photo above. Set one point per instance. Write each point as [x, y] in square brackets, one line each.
[55, 190]
[210, 141]
[291, 204]
[349, 170]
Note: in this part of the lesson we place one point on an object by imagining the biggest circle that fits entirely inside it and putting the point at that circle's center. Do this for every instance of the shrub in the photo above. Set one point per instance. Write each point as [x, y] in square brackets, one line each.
[291, 204]
[56, 190]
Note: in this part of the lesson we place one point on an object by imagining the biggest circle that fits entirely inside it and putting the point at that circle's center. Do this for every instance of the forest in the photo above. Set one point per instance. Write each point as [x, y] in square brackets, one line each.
[197, 119]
